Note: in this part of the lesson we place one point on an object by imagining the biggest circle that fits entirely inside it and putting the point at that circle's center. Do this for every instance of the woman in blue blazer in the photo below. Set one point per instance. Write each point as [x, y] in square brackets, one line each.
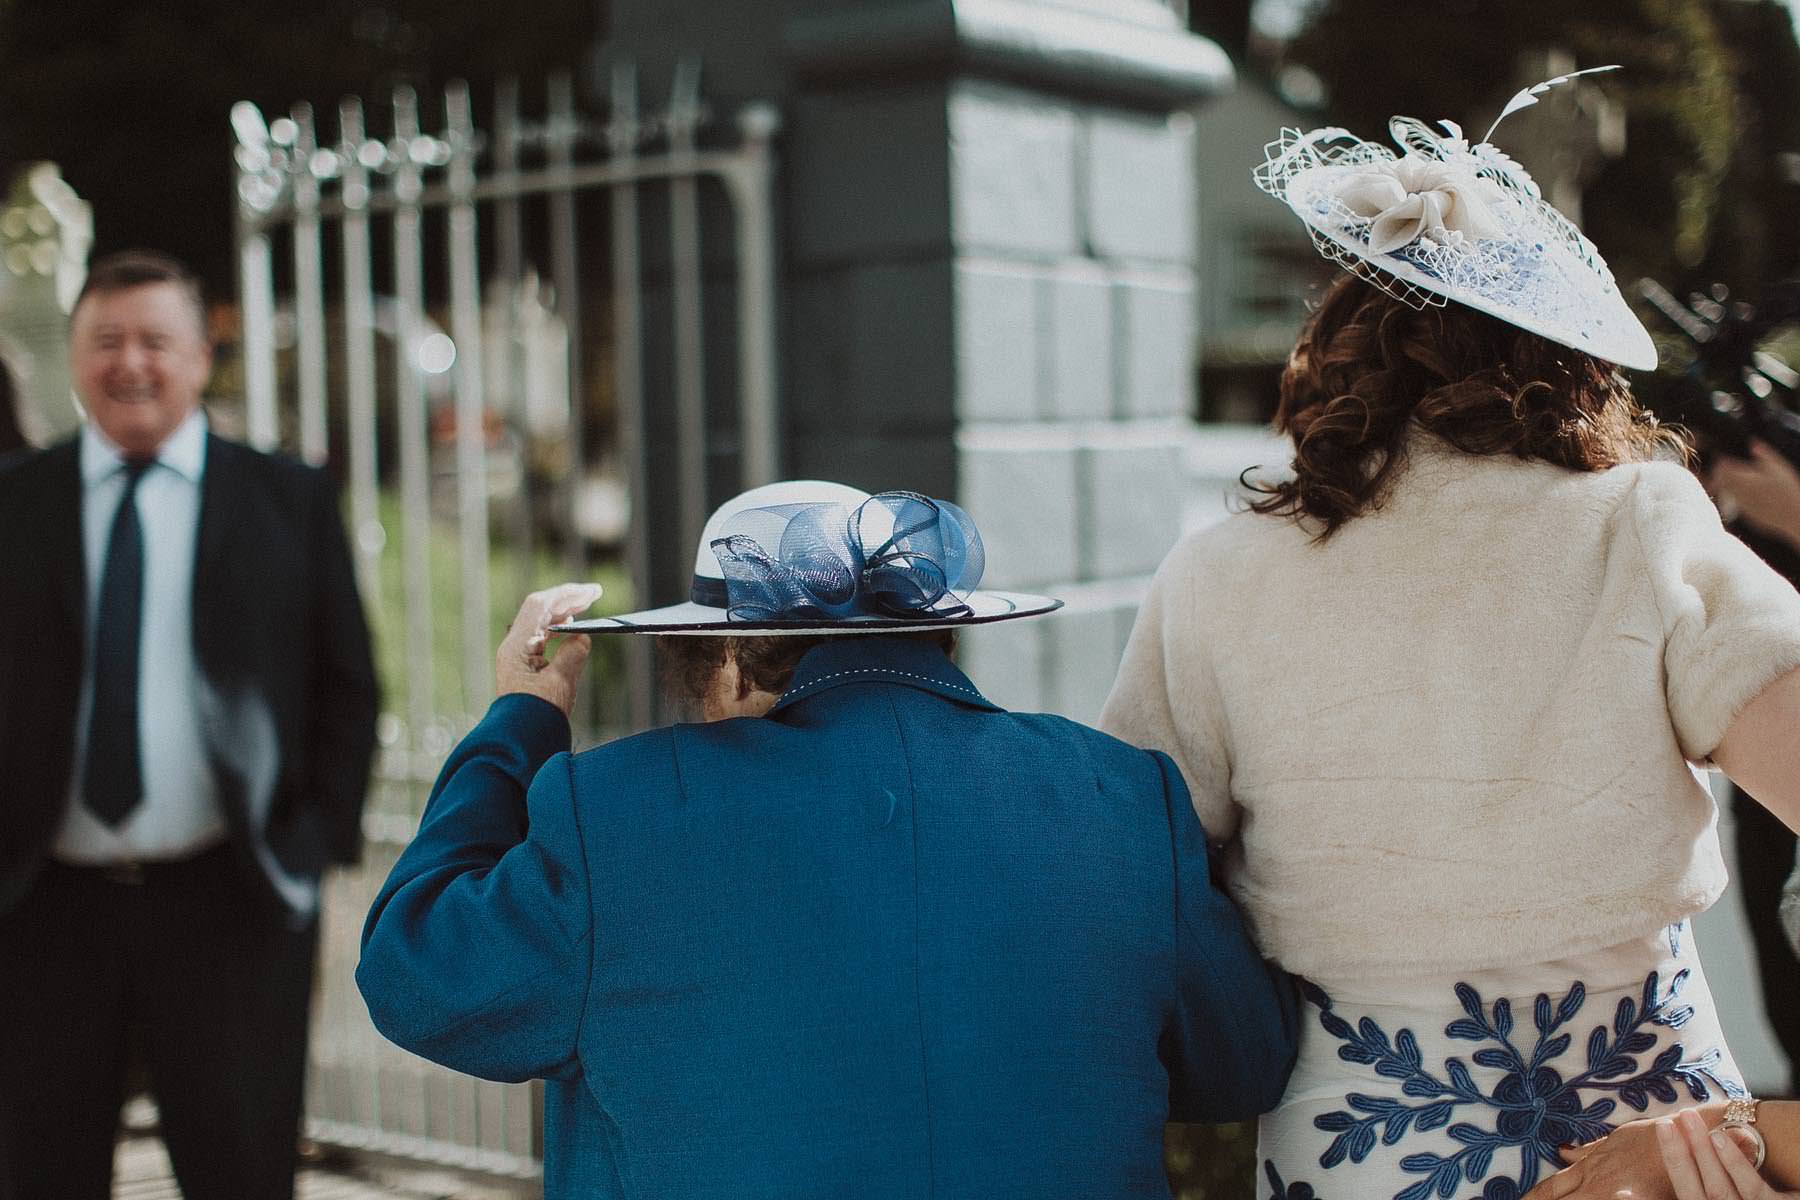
[860, 933]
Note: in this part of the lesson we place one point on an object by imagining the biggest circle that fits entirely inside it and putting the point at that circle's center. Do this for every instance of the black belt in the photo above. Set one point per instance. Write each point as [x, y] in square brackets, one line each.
[135, 872]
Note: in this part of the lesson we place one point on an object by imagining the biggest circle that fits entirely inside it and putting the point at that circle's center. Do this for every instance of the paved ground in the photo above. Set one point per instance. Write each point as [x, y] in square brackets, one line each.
[141, 1172]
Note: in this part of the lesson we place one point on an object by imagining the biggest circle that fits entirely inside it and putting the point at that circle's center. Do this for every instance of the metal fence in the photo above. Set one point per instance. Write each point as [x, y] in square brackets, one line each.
[443, 424]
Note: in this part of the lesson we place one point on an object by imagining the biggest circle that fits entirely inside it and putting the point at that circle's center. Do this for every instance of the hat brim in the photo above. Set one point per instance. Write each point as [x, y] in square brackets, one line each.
[985, 608]
[1604, 325]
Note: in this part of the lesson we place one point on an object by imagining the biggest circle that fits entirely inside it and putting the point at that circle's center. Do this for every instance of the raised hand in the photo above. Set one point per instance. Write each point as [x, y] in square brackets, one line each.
[1630, 1163]
[524, 663]
[1763, 489]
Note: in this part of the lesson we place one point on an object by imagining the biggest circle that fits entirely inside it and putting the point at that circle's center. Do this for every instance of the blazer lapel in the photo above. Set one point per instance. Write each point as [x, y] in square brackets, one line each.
[220, 483]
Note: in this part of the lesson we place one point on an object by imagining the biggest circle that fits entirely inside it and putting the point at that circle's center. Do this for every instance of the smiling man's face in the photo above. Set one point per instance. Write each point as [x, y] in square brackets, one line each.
[140, 361]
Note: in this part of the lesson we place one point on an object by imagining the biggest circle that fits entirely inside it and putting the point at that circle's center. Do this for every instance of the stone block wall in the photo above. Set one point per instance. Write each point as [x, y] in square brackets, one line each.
[988, 238]
[1074, 309]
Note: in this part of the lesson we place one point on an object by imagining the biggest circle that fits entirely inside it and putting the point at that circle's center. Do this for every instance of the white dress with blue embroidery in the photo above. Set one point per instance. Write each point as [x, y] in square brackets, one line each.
[1428, 1088]
[1448, 754]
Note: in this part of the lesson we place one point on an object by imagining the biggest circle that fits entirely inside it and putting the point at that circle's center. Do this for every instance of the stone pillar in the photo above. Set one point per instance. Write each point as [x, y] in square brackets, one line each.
[989, 284]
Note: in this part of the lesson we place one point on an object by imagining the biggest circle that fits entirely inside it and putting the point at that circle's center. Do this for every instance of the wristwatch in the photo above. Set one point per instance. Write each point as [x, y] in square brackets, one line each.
[1740, 1113]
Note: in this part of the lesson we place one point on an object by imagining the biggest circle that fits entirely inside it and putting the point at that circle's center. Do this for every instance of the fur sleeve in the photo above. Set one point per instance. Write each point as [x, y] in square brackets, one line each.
[1731, 624]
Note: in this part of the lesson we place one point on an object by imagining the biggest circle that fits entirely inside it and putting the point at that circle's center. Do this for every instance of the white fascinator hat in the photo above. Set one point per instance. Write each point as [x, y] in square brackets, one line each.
[1446, 220]
[809, 557]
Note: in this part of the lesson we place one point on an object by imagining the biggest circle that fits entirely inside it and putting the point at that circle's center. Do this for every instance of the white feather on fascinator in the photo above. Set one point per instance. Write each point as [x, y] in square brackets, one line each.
[1446, 220]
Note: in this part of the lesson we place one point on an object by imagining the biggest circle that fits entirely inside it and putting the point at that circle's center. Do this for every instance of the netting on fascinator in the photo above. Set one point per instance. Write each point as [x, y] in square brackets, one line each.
[897, 555]
[1446, 220]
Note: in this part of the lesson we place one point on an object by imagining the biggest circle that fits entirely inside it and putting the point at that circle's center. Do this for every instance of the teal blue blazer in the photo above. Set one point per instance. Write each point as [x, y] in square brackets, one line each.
[887, 941]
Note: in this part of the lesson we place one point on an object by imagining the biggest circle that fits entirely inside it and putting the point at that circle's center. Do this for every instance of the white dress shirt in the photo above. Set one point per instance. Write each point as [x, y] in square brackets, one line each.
[180, 813]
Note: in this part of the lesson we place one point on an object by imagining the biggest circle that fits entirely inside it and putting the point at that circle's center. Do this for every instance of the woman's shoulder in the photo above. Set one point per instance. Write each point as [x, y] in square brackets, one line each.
[641, 754]
[1659, 483]
[1231, 541]
[1440, 481]
[1660, 506]
[1560, 493]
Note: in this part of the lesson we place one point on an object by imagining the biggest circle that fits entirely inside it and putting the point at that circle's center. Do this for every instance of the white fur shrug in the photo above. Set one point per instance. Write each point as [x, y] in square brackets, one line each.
[1456, 735]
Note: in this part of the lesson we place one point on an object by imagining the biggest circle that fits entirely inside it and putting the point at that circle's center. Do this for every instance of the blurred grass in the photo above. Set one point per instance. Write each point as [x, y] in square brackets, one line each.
[1211, 1162]
[512, 572]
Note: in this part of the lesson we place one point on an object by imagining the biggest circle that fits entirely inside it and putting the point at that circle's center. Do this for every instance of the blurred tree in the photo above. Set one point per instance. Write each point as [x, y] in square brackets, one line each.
[132, 100]
[1758, 235]
[1657, 209]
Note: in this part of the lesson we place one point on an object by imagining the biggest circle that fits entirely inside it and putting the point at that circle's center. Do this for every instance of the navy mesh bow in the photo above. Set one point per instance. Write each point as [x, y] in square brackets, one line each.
[796, 562]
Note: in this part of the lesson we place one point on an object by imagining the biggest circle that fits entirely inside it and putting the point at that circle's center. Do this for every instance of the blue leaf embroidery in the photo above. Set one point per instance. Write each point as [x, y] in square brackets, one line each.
[1535, 1110]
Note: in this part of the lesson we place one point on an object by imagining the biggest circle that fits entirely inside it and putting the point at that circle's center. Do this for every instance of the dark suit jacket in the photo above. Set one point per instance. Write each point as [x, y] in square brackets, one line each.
[289, 699]
[888, 941]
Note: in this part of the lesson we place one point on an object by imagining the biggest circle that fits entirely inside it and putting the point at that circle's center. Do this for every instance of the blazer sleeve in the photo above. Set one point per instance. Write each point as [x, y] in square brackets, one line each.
[1234, 1031]
[343, 696]
[478, 949]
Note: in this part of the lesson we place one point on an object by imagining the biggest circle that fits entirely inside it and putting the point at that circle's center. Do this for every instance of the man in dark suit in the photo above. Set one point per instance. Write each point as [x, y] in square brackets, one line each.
[187, 707]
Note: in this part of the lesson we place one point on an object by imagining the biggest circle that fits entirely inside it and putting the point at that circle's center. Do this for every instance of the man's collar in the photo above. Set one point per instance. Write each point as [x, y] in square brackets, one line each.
[873, 658]
[183, 451]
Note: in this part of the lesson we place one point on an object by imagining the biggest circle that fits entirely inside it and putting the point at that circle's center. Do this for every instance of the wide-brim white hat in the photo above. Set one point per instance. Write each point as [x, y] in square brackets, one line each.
[806, 529]
[1447, 221]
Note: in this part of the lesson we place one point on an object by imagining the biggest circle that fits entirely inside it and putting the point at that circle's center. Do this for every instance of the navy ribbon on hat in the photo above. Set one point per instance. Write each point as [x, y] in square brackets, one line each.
[800, 562]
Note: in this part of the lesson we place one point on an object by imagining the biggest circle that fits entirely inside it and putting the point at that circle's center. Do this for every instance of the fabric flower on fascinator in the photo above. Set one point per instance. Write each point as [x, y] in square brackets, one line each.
[1411, 197]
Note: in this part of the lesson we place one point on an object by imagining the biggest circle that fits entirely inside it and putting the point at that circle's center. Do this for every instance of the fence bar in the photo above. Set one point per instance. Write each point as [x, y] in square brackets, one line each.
[510, 272]
[424, 1150]
[566, 271]
[258, 193]
[752, 188]
[546, 181]
[256, 284]
[687, 304]
[471, 406]
[363, 1092]
[628, 369]
[359, 354]
[509, 260]
[309, 290]
[415, 449]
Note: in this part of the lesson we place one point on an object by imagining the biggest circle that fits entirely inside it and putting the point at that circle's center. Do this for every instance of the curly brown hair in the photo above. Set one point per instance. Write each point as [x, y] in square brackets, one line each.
[1368, 369]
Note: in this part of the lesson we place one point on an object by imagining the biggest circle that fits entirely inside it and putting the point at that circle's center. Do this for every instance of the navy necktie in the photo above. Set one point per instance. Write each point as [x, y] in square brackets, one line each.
[113, 783]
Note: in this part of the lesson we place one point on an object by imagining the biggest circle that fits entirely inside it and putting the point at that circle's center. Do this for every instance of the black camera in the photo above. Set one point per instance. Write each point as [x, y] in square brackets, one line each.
[1733, 391]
